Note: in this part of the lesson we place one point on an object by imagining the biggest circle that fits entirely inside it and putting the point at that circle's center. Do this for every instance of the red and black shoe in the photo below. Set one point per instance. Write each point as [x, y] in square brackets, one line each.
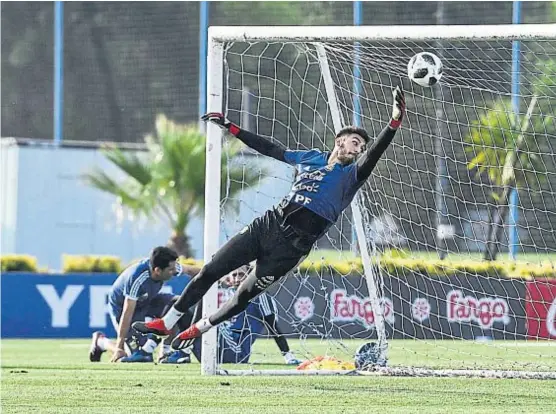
[185, 339]
[155, 327]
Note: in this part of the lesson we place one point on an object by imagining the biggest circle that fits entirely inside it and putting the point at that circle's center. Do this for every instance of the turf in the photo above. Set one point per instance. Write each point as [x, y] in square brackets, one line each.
[54, 376]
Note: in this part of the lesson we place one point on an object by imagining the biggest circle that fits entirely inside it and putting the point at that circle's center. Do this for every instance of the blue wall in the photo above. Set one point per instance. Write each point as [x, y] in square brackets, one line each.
[60, 306]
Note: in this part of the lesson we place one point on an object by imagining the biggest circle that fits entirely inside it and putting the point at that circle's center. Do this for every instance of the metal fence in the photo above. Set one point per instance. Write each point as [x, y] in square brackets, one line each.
[125, 62]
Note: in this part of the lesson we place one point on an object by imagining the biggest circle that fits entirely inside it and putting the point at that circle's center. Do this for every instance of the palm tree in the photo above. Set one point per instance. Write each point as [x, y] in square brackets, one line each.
[169, 181]
[508, 154]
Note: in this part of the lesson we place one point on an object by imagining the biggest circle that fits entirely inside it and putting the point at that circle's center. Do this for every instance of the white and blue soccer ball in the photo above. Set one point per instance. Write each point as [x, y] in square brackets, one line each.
[425, 69]
[367, 356]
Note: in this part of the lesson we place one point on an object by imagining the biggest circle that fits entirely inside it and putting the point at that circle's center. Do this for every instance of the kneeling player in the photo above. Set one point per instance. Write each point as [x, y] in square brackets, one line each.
[135, 296]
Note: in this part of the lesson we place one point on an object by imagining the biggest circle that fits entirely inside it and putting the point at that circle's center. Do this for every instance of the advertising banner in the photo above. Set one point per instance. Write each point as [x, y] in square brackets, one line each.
[75, 305]
[60, 306]
[541, 309]
[413, 307]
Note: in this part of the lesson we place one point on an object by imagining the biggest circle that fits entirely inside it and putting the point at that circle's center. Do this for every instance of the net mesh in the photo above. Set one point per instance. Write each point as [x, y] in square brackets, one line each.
[437, 192]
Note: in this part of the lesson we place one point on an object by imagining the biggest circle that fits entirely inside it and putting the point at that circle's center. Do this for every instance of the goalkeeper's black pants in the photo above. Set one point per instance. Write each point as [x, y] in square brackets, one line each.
[277, 247]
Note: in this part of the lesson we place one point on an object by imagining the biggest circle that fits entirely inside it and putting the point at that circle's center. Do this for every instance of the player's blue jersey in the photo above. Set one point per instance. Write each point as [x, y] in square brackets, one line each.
[135, 283]
[324, 189]
[237, 336]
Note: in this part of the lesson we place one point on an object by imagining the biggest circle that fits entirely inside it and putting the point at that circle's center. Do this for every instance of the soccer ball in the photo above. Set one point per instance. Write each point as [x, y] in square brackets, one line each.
[425, 69]
[367, 356]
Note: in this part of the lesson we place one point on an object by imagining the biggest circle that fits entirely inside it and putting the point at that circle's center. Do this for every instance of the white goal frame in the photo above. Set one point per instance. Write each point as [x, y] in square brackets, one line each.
[219, 36]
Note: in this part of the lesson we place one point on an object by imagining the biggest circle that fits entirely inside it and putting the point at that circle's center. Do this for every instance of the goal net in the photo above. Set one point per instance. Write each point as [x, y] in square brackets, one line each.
[445, 259]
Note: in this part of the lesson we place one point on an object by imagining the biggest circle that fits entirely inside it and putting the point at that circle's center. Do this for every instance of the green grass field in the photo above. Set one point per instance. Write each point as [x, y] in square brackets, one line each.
[54, 376]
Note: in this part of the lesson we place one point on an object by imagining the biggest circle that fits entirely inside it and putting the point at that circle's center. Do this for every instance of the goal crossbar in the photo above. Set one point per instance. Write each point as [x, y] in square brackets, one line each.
[400, 33]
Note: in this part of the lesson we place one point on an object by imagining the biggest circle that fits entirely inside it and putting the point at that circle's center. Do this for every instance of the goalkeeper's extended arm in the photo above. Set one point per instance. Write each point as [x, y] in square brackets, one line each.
[367, 162]
[260, 144]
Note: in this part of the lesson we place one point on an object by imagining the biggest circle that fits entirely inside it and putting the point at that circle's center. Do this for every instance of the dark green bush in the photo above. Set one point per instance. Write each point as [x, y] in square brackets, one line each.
[18, 263]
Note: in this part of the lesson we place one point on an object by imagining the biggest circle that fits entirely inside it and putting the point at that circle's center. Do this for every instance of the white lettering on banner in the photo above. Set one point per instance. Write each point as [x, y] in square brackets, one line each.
[99, 307]
[484, 311]
[60, 305]
[551, 319]
[353, 308]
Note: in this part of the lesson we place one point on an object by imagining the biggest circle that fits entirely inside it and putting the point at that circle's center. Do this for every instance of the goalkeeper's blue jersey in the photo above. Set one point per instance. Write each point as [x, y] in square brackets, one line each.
[326, 190]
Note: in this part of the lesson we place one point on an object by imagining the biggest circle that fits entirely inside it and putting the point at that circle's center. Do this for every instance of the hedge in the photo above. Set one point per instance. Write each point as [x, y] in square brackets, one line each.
[18, 263]
[190, 261]
[394, 264]
[399, 266]
[74, 263]
[90, 264]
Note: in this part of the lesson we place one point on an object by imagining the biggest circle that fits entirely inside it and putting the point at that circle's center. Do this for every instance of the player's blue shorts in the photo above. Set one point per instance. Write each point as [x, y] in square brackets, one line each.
[235, 354]
[153, 309]
[236, 349]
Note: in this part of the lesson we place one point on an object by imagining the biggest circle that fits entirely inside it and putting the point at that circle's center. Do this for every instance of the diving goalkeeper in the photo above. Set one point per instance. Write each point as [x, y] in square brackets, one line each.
[325, 185]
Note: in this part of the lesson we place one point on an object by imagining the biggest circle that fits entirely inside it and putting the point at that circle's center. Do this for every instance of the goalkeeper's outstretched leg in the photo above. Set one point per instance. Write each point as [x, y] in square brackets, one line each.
[268, 271]
[239, 250]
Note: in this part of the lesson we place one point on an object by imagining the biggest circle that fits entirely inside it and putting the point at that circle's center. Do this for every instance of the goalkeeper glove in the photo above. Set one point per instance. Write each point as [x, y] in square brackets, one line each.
[219, 119]
[399, 108]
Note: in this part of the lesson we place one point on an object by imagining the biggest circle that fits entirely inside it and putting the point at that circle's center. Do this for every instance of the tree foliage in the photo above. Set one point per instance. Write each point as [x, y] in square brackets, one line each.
[168, 182]
[492, 139]
[506, 148]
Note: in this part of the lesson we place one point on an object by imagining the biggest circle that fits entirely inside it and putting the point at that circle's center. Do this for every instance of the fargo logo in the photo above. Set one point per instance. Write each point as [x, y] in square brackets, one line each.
[61, 304]
[355, 309]
[483, 311]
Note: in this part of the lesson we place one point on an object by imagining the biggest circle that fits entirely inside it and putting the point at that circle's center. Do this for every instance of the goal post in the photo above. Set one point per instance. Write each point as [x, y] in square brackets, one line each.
[301, 81]
[215, 82]
[370, 275]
